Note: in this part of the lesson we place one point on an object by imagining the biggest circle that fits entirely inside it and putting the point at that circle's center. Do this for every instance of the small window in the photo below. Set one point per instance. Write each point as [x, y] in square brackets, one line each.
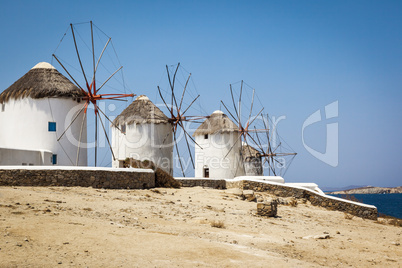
[54, 159]
[52, 126]
[206, 136]
[3, 107]
[24, 164]
[30, 164]
[123, 128]
[206, 172]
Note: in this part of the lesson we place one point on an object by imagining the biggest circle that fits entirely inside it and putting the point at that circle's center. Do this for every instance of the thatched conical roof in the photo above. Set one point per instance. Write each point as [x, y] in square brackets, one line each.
[141, 111]
[249, 152]
[218, 122]
[42, 81]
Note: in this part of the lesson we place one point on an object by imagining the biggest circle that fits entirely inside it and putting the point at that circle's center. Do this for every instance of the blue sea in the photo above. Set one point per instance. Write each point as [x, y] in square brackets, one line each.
[389, 204]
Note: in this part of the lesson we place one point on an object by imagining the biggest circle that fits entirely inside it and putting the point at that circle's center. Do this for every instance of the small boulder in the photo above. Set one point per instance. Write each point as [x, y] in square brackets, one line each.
[235, 191]
[323, 236]
[248, 193]
[268, 209]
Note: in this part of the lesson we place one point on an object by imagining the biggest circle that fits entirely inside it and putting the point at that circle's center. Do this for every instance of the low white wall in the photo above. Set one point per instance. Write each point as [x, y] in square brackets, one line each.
[308, 185]
[129, 170]
[19, 157]
[297, 187]
[277, 179]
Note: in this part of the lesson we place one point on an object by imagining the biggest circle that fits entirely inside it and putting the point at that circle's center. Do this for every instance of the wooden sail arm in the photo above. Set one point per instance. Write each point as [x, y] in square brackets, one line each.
[194, 118]
[277, 154]
[107, 97]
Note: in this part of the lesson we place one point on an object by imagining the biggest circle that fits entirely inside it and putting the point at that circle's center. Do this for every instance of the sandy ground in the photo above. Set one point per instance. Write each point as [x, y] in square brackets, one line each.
[87, 227]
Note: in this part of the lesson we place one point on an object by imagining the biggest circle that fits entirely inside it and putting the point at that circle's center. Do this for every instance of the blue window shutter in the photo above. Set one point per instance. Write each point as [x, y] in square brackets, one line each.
[54, 159]
[52, 126]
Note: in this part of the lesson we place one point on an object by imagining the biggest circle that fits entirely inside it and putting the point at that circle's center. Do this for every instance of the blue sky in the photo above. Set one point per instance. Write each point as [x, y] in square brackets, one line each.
[299, 56]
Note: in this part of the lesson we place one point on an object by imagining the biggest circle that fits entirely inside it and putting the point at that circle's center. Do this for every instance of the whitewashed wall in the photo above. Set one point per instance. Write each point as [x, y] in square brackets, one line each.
[24, 126]
[212, 155]
[16, 157]
[152, 142]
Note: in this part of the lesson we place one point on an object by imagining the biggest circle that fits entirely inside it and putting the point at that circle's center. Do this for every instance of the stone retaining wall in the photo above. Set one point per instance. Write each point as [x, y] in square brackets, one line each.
[101, 178]
[142, 179]
[208, 183]
[332, 203]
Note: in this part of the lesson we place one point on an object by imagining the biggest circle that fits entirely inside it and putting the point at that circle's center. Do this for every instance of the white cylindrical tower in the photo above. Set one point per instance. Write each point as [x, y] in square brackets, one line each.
[142, 132]
[34, 112]
[219, 156]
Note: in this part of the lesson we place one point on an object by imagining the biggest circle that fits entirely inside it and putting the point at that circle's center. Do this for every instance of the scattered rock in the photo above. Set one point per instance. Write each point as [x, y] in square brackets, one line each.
[251, 199]
[235, 191]
[395, 243]
[248, 193]
[323, 236]
[260, 199]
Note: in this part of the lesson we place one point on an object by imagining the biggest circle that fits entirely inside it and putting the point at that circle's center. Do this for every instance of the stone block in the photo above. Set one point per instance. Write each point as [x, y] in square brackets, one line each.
[267, 209]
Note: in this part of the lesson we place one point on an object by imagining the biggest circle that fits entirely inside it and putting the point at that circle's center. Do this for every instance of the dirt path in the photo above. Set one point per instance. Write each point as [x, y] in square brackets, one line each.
[172, 227]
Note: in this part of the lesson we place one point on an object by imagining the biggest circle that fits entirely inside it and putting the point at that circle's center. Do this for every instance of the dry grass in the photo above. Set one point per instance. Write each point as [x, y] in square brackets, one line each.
[17, 212]
[217, 224]
[389, 220]
[215, 209]
[293, 202]
[348, 216]
[204, 221]
[156, 191]
[380, 221]
[395, 222]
